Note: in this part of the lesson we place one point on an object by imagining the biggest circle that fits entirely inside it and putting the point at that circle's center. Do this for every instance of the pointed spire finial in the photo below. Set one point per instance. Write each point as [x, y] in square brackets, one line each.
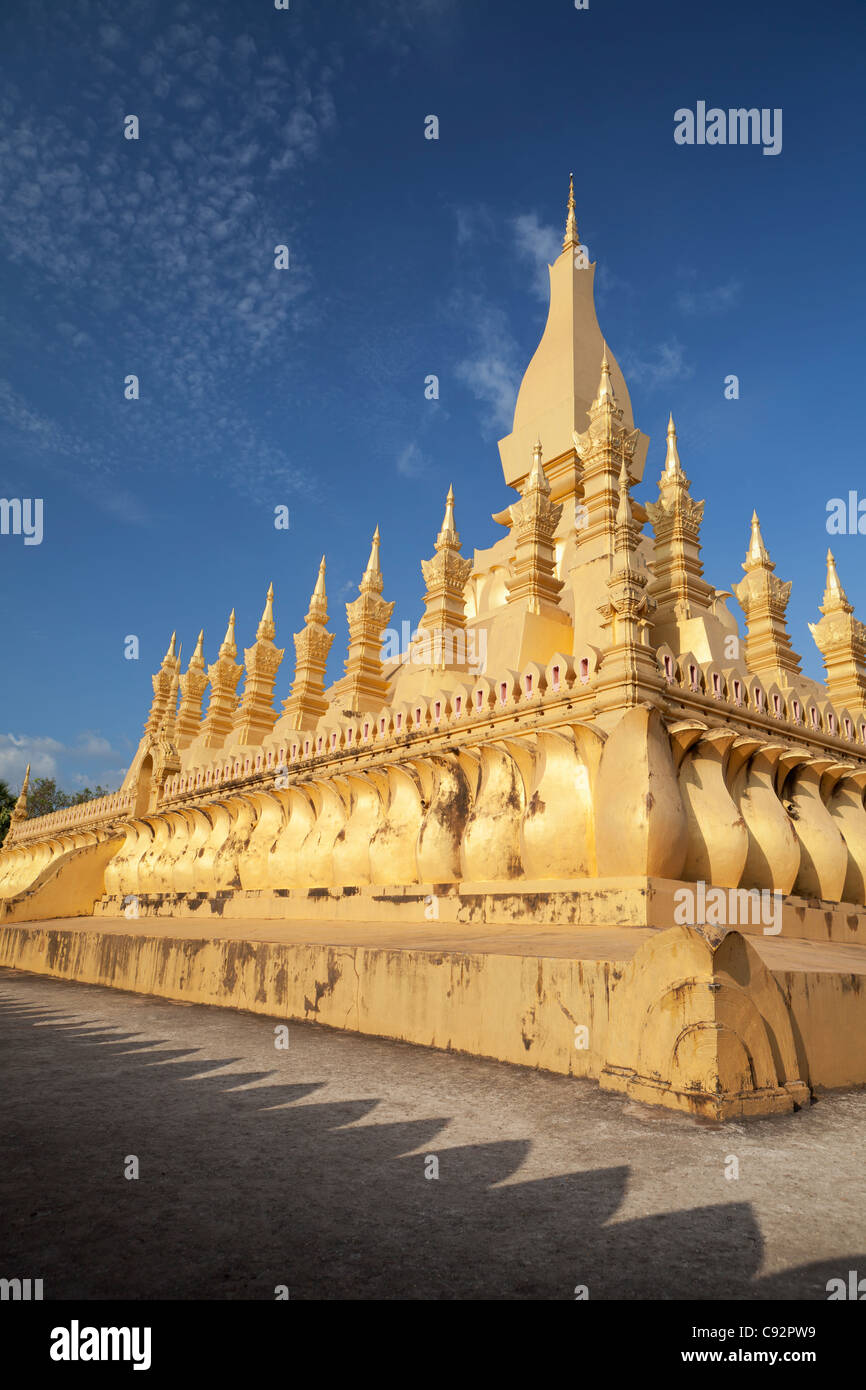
[537, 480]
[757, 555]
[197, 659]
[229, 646]
[319, 590]
[448, 530]
[605, 385]
[171, 655]
[835, 597]
[19, 811]
[318, 609]
[672, 457]
[571, 237]
[372, 581]
[266, 632]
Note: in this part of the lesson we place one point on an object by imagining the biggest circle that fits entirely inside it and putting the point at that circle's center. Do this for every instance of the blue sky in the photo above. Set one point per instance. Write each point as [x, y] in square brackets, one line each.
[306, 387]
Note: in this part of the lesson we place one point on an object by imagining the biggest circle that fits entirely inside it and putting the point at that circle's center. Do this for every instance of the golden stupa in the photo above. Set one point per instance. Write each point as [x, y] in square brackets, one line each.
[580, 824]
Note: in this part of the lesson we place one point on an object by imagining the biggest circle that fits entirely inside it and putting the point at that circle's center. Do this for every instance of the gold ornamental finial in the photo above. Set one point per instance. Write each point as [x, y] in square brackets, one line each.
[835, 598]
[229, 646]
[319, 591]
[672, 457]
[605, 385]
[571, 237]
[266, 632]
[537, 480]
[196, 661]
[448, 530]
[318, 609]
[171, 655]
[19, 811]
[757, 555]
[372, 581]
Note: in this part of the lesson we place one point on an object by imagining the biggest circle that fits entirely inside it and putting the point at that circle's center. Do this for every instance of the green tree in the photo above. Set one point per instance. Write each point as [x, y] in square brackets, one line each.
[7, 805]
[44, 796]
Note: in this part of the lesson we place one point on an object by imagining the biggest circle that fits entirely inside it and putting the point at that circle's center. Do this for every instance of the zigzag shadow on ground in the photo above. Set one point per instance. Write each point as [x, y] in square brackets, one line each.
[243, 1190]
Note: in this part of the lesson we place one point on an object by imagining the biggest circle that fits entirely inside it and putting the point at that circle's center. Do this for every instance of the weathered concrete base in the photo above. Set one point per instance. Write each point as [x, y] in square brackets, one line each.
[714, 1024]
[611, 902]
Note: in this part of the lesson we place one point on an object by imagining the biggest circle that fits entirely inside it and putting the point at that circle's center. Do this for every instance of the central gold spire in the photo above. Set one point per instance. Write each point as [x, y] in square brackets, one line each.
[559, 385]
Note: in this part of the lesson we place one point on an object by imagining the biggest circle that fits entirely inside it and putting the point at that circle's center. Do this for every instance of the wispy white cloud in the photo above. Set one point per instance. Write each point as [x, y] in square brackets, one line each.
[666, 363]
[540, 245]
[474, 223]
[48, 757]
[714, 300]
[493, 369]
[169, 238]
[411, 462]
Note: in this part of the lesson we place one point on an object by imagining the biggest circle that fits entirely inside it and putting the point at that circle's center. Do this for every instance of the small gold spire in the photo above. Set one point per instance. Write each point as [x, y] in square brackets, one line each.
[571, 237]
[835, 598]
[197, 659]
[672, 457]
[372, 580]
[319, 590]
[757, 555]
[537, 480]
[171, 655]
[266, 632]
[229, 646]
[318, 609]
[19, 811]
[605, 385]
[447, 531]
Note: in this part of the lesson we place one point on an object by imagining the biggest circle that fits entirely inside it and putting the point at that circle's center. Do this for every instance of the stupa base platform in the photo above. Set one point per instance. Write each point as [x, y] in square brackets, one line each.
[597, 902]
[716, 1023]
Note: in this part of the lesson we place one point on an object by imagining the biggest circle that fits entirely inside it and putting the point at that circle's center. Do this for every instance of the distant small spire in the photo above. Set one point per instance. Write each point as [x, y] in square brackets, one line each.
[372, 580]
[196, 661]
[835, 598]
[319, 591]
[537, 480]
[318, 609]
[448, 536]
[571, 237]
[19, 811]
[757, 555]
[672, 457]
[171, 655]
[229, 646]
[266, 632]
[605, 385]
